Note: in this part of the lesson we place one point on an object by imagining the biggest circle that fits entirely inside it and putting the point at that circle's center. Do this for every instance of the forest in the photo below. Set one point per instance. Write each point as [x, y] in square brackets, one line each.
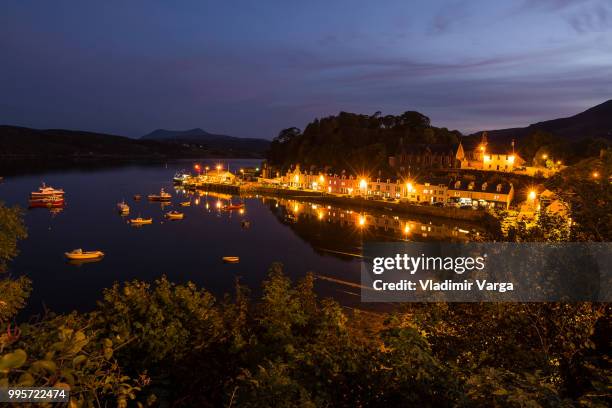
[350, 141]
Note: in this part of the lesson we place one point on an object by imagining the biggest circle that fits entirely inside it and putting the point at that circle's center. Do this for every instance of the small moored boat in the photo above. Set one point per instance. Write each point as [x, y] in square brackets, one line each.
[186, 204]
[230, 207]
[46, 191]
[137, 197]
[231, 259]
[79, 254]
[141, 221]
[174, 215]
[162, 196]
[123, 208]
[181, 177]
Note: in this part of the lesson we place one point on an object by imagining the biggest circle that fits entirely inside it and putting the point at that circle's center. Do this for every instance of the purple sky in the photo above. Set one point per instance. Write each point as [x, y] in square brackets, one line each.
[250, 68]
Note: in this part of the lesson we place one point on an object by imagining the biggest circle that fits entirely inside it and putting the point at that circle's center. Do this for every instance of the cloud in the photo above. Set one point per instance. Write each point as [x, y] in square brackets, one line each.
[595, 18]
[551, 5]
[449, 16]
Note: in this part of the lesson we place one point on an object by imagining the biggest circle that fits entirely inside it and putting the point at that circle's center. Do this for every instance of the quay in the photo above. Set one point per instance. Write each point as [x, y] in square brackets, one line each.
[254, 188]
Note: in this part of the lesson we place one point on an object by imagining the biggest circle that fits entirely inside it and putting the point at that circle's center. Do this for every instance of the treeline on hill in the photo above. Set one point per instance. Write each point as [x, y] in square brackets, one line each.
[152, 344]
[356, 141]
[352, 141]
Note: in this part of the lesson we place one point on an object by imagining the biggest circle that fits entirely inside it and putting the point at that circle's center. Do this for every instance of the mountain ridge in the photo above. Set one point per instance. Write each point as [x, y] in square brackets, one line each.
[201, 137]
[594, 122]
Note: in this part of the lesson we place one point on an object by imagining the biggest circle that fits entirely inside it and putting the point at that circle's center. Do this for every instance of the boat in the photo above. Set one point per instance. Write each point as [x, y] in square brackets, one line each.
[47, 202]
[245, 224]
[141, 221]
[174, 215]
[137, 197]
[123, 208]
[79, 254]
[181, 177]
[45, 191]
[162, 196]
[186, 204]
[231, 259]
[230, 207]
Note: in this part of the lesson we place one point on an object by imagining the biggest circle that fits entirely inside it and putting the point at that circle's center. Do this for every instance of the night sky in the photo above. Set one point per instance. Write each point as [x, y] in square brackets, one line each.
[251, 68]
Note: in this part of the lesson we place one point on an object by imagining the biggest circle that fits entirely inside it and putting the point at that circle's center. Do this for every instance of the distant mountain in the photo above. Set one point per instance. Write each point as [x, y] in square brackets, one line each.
[26, 143]
[214, 141]
[595, 122]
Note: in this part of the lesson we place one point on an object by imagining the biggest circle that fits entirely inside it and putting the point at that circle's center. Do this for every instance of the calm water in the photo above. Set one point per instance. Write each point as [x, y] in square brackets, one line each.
[303, 236]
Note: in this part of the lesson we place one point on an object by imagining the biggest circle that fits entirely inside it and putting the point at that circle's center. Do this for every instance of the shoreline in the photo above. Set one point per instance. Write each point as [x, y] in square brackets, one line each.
[481, 217]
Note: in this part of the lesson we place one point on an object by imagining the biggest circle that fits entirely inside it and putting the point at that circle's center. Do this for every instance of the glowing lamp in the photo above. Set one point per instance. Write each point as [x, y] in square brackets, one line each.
[363, 184]
[409, 187]
[362, 220]
[532, 195]
[511, 159]
[595, 175]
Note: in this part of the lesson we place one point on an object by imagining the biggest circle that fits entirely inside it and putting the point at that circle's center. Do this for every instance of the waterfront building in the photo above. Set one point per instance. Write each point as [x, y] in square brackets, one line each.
[427, 190]
[480, 193]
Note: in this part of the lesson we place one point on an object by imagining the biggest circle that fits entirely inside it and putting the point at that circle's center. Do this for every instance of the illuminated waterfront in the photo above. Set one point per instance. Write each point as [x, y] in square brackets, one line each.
[304, 236]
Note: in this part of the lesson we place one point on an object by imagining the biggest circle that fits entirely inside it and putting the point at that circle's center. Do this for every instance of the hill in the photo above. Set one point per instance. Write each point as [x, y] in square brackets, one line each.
[26, 143]
[355, 141]
[200, 137]
[572, 138]
[595, 122]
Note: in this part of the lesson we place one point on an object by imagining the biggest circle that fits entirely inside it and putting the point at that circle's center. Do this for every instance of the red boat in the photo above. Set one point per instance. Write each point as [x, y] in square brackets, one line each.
[48, 202]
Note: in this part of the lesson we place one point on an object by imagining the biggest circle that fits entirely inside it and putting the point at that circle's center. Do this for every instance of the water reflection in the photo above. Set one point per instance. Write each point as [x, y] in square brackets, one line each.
[341, 231]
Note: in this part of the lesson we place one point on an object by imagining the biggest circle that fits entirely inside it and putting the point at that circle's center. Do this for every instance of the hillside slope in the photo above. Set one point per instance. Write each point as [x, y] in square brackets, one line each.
[210, 140]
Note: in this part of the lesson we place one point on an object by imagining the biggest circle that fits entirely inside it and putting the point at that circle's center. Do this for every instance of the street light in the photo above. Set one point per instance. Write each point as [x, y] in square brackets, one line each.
[545, 156]
[595, 175]
[363, 184]
[532, 195]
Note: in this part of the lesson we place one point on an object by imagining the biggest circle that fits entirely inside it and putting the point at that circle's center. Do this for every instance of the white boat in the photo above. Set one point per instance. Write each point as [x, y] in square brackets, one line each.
[79, 254]
[181, 177]
[46, 191]
[162, 196]
[123, 207]
[174, 215]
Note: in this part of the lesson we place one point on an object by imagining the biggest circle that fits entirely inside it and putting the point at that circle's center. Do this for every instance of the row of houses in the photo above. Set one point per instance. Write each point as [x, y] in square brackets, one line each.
[432, 190]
